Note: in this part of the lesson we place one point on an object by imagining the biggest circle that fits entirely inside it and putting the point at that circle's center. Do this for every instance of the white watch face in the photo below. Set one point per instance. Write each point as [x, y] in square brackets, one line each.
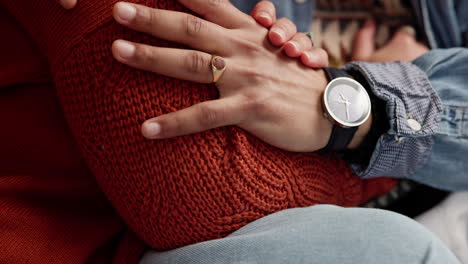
[347, 102]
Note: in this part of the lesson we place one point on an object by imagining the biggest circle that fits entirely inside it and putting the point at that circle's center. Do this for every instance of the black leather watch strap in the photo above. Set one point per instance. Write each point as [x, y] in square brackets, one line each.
[340, 136]
[333, 73]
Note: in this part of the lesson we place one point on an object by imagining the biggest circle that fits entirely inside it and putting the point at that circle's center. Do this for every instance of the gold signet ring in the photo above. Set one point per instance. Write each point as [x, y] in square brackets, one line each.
[218, 66]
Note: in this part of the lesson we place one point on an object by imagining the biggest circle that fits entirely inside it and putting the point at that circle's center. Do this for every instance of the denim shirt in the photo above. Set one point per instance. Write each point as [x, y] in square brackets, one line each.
[433, 90]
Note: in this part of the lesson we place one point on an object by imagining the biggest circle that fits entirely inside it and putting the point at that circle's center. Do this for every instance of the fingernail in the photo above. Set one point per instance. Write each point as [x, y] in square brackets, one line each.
[67, 4]
[295, 44]
[151, 129]
[126, 11]
[279, 32]
[264, 16]
[124, 49]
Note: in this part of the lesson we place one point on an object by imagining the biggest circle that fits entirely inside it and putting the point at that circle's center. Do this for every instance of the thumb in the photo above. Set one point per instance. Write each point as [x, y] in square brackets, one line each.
[364, 45]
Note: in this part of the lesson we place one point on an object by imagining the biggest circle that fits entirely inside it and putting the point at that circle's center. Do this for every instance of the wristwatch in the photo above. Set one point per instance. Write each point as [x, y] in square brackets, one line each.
[347, 105]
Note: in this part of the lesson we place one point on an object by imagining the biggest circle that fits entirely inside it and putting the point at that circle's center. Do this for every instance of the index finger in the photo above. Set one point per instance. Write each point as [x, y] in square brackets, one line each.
[174, 26]
[194, 119]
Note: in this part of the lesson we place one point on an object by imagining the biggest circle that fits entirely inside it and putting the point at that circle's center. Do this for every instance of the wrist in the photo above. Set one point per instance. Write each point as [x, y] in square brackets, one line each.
[324, 123]
[343, 134]
[361, 134]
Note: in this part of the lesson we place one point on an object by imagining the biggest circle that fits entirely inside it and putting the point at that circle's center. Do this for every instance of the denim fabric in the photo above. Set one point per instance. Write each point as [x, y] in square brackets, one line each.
[444, 21]
[321, 234]
[447, 167]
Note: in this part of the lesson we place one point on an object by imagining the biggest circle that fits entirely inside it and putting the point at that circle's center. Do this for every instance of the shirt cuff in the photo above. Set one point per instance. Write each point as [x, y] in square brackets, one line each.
[413, 110]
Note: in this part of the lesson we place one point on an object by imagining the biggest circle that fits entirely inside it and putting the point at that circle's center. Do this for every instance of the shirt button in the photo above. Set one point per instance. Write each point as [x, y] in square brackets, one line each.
[400, 140]
[414, 124]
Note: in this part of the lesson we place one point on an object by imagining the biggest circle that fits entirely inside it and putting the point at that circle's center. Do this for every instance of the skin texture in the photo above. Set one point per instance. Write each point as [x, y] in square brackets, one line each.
[262, 91]
[282, 32]
[264, 112]
[251, 109]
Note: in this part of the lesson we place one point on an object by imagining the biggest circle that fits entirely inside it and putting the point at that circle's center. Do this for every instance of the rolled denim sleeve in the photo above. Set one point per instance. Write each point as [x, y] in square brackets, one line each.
[413, 109]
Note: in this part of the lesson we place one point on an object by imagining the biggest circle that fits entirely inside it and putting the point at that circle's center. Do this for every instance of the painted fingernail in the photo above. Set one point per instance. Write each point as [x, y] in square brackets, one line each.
[151, 129]
[125, 49]
[126, 12]
[278, 32]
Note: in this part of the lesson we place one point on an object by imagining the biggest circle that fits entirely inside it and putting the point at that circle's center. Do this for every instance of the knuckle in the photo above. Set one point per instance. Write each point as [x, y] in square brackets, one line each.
[145, 55]
[147, 18]
[193, 25]
[254, 75]
[286, 25]
[170, 126]
[267, 4]
[216, 3]
[248, 46]
[208, 117]
[152, 18]
[195, 62]
[304, 40]
[256, 105]
[323, 55]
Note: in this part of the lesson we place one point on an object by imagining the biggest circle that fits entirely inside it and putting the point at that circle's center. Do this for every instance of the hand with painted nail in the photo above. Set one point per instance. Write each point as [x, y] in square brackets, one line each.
[261, 90]
[283, 33]
[402, 47]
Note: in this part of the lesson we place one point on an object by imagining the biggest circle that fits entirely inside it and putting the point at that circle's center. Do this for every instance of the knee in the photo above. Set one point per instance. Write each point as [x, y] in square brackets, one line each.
[359, 234]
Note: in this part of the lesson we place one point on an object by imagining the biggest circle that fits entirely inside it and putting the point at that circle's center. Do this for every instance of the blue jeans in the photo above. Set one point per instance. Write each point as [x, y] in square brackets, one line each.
[319, 234]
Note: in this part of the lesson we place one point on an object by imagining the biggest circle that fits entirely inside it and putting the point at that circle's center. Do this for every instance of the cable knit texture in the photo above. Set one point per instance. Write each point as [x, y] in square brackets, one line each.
[178, 191]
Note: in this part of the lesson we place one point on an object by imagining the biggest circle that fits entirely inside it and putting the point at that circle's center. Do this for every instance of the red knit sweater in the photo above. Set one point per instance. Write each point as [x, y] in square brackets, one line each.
[179, 191]
[51, 209]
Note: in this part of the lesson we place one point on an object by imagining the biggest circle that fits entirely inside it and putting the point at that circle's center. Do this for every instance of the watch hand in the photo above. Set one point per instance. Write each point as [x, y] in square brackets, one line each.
[347, 110]
[343, 97]
[345, 101]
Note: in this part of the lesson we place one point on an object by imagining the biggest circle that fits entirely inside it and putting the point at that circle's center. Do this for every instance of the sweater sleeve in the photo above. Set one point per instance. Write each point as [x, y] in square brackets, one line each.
[178, 191]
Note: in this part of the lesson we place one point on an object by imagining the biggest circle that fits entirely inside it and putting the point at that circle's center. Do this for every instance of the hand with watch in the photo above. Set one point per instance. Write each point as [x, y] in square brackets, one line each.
[261, 90]
[347, 105]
